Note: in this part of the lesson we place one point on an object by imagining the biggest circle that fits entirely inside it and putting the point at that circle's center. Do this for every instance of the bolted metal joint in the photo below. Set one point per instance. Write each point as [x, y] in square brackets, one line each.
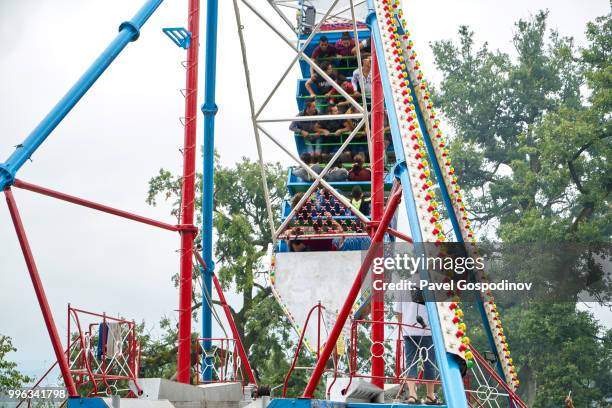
[399, 168]
[373, 225]
[7, 177]
[209, 110]
[128, 25]
[187, 228]
[371, 18]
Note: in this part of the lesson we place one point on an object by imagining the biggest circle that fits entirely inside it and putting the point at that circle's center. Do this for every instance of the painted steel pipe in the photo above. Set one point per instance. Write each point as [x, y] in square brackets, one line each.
[298, 347]
[452, 383]
[209, 108]
[378, 206]
[330, 345]
[128, 31]
[95, 206]
[399, 235]
[188, 196]
[231, 322]
[40, 293]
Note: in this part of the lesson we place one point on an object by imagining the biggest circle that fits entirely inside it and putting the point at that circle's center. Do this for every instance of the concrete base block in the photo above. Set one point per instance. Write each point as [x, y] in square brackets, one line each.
[138, 403]
[395, 392]
[357, 390]
[261, 402]
[221, 395]
[223, 391]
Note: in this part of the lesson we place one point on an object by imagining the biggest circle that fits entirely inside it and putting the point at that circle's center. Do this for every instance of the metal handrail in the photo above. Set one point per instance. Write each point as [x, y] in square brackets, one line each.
[301, 341]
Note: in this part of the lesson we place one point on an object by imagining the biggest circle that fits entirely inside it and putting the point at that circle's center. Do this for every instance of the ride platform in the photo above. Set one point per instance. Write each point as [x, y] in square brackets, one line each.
[317, 403]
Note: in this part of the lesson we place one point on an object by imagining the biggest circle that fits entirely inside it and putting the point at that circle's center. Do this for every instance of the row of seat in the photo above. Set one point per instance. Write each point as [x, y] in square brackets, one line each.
[327, 216]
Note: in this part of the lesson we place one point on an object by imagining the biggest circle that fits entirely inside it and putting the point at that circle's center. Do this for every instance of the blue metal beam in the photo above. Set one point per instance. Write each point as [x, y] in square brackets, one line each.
[128, 31]
[316, 403]
[209, 108]
[94, 402]
[450, 372]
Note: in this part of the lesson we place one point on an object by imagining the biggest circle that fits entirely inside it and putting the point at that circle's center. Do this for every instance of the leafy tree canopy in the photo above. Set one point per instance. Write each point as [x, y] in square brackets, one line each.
[242, 235]
[531, 145]
[10, 377]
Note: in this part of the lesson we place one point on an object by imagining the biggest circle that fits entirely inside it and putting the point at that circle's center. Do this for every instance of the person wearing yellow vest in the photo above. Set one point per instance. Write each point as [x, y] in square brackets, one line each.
[360, 201]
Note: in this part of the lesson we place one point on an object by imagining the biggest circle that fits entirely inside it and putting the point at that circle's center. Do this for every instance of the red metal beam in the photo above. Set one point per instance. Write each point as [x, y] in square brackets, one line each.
[187, 201]
[400, 235]
[40, 293]
[330, 345]
[230, 320]
[100, 207]
[378, 142]
[378, 205]
[301, 341]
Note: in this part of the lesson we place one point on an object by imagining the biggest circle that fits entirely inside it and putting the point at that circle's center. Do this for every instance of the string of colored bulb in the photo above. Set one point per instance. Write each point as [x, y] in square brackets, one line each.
[405, 45]
[455, 331]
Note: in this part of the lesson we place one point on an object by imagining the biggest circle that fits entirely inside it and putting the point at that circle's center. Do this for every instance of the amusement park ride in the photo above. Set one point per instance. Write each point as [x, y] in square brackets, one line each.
[397, 131]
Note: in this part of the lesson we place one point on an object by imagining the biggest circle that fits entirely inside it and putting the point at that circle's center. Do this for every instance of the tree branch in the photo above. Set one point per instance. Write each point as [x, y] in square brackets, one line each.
[258, 286]
[216, 302]
[575, 177]
[572, 169]
[264, 292]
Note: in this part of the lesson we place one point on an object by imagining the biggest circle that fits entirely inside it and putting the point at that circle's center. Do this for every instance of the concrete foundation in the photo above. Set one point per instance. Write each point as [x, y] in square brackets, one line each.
[138, 403]
[357, 390]
[221, 395]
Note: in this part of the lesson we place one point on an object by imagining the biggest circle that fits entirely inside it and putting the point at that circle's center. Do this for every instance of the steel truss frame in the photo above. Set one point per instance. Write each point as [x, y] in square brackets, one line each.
[452, 385]
[257, 110]
[374, 138]
[91, 363]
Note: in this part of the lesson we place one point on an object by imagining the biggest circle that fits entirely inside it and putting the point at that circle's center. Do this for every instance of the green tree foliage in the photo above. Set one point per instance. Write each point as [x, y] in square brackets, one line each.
[531, 146]
[242, 235]
[10, 377]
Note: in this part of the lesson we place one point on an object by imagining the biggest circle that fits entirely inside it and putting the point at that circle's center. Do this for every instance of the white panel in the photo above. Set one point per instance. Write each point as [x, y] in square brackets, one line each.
[304, 278]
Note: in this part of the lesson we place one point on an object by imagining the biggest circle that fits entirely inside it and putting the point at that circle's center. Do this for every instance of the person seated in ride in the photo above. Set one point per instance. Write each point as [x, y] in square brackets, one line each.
[386, 152]
[297, 246]
[349, 243]
[315, 245]
[323, 224]
[360, 201]
[340, 101]
[325, 157]
[324, 50]
[358, 171]
[365, 75]
[337, 172]
[346, 156]
[352, 124]
[304, 213]
[365, 47]
[319, 88]
[310, 219]
[302, 173]
[335, 127]
[309, 129]
[344, 51]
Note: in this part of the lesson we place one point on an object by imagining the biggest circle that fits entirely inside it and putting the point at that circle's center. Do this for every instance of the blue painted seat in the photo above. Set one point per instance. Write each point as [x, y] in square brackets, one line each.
[332, 36]
[297, 185]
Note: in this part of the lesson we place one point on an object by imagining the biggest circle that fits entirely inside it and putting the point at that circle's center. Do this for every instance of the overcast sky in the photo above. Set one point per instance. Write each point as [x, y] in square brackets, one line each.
[127, 128]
